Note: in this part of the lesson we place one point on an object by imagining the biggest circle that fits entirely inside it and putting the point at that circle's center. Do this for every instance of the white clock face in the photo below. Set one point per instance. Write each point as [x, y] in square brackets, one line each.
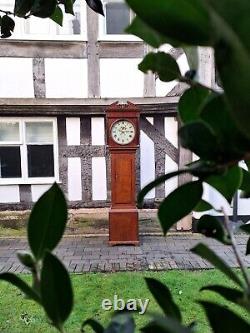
[123, 132]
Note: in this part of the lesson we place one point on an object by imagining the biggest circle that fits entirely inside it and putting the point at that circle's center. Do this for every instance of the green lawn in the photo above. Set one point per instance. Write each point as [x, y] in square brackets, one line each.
[18, 315]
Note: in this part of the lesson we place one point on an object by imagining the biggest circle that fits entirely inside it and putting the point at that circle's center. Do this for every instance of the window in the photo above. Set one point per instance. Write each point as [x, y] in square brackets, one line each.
[28, 150]
[117, 18]
[74, 27]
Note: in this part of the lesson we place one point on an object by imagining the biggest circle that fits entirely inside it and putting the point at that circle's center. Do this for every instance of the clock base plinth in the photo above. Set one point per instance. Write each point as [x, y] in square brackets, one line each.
[123, 227]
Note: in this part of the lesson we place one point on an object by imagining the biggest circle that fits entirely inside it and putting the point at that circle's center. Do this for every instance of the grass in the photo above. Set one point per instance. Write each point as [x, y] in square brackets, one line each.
[20, 315]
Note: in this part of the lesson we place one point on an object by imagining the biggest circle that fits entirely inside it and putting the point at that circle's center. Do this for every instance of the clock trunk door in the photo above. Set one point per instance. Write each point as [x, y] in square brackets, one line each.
[123, 179]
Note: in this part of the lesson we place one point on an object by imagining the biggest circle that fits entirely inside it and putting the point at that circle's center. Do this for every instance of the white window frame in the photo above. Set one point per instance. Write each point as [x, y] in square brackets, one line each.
[23, 35]
[102, 35]
[25, 179]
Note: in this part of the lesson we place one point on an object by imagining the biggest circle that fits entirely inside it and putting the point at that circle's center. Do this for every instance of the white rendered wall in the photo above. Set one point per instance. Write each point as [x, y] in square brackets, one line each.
[121, 78]
[147, 160]
[16, 78]
[97, 131]
[38, 190]
[66, 78]
[171, 127]
[73, 131]
[99, 178]
[74, 179]
[9, 194]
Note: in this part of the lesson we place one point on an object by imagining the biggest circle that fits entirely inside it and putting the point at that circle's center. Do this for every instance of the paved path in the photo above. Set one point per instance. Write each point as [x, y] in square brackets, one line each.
[94, 255]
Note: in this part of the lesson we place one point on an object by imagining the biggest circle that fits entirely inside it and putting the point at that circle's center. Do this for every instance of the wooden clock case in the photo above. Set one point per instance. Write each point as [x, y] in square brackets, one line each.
[123, 214]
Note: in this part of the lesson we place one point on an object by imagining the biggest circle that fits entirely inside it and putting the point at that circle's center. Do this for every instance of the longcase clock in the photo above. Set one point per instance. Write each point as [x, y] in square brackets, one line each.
[123, 140]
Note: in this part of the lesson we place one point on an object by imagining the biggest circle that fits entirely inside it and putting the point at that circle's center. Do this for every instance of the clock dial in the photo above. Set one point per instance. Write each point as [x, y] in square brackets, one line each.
[123, 132]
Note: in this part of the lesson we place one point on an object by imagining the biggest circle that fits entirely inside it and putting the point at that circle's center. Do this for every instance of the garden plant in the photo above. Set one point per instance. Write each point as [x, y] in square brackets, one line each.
[215, 127]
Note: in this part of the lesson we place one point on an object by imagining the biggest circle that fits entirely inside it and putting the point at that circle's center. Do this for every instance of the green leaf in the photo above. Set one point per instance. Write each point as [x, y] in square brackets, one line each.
[47, 222]
[230, 294]
[222, 319]
[245, 184]
[191, 103]
[21, 285]
[96, 327]
[200, 139]
[203, 206]
[43, 8]
[57, 16]
[246, 228]
[231, 42]
[211, 227]
[248, 247]
[179, 204]
[164, 298]
[217, 115]
[68, 6]
[190, 25]
[96, 6]
[56, 290]
[155, 183]
[146, 33]
[121, 323]
[204, 252]
[27, 259]
[22, 7]
[162, 64]
[228, 183]
[165, 325]
[7, 26]
[192, 55]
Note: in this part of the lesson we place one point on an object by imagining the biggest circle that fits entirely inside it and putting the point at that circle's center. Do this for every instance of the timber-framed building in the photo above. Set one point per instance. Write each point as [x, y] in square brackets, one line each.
[55, 85]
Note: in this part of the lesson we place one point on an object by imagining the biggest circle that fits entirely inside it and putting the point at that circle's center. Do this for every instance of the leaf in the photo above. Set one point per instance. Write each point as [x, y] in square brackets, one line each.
[203, 206]
[246, 228]
[96, 327]
[179, 204]
[7, 26]
[230, 294]
[161, 63]
[228, 183]
[121, 323]
[22, 7]
[200, 139]
[155, 183]
[47, 222]
[232, 47]
[27, 259]
[191, 103]
[245, 184]
[56, 290]
[21, 285]
[190, 25]
[163, 297]
[211, 227]
[57, 16]
[96, 6]
[204, 252]
[146, 33]
[217, 115]
[248, 247]
[162, 324]
[43, 8]
[222, 319]
[192, 55]
[68, 6]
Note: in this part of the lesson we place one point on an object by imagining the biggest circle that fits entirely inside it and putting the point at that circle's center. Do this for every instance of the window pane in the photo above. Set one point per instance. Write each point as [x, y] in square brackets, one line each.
[40, 161]
[10, 162]
[9, 132]
[117, 18]
[39, 132]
